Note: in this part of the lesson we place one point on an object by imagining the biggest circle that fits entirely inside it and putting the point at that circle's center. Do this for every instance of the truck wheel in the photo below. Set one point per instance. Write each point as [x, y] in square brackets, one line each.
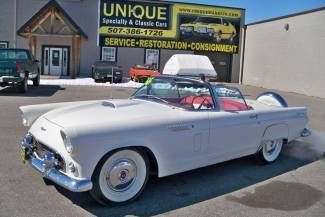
[120, 177]
[270, 151]
[36, 81]
[23, 85]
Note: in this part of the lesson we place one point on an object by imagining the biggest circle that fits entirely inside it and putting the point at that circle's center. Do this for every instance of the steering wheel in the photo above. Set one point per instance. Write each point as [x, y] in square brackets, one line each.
[202, 103]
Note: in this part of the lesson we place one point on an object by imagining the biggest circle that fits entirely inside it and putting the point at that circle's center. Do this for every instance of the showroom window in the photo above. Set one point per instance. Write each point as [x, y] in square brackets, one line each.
[109, 54]
[4, 44]
[152, 57]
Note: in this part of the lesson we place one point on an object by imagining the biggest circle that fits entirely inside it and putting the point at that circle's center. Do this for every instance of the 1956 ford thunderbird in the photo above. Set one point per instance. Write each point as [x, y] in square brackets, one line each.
[170, 125]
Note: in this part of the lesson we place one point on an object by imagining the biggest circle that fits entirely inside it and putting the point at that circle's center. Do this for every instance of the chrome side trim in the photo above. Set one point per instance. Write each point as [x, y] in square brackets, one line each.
[47, 169]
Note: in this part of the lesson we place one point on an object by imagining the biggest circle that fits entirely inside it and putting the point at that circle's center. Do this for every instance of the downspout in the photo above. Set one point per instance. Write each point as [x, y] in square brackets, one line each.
[15, 25]
[243, 56]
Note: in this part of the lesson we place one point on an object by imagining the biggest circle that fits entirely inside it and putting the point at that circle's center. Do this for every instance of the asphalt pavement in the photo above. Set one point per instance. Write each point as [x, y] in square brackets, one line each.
[292, 186]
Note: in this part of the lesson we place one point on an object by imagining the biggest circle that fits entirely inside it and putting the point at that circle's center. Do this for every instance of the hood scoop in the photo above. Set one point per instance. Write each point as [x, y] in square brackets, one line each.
[108, 104]
[120, 103]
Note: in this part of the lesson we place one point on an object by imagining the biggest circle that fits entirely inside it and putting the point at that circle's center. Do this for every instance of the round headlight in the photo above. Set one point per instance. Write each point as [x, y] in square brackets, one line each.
[67, 142]
[24, 120]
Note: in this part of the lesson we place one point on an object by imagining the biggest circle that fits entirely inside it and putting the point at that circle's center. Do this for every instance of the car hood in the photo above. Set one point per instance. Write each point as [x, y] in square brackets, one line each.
[114, 112]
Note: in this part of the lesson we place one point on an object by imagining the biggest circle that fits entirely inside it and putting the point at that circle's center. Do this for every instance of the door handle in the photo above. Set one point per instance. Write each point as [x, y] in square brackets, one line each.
[253, 116]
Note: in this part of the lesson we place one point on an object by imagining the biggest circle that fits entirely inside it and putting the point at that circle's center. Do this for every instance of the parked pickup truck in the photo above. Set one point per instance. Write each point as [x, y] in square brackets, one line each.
[16, 67]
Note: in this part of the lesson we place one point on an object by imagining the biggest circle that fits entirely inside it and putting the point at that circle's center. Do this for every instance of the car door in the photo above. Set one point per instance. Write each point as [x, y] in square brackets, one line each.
[234, 134]
[235, 129]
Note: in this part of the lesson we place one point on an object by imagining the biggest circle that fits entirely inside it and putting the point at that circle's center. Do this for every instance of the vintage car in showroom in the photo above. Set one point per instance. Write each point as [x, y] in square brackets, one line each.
[170, 125]
[105, 71]
[140, 73]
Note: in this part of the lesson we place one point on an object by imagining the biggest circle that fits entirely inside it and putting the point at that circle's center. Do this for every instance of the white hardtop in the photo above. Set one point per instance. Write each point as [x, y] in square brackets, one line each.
[189, 65]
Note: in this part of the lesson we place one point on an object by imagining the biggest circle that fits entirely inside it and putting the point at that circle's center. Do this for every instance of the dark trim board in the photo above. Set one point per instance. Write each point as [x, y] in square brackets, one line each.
[5, 42]
[55, 46]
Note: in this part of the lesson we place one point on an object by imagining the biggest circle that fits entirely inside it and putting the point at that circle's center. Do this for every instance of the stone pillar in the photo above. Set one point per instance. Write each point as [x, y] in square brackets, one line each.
[76, 42]
[32, 43]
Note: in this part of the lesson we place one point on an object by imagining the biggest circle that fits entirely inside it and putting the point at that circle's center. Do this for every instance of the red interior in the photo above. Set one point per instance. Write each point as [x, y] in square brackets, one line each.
[225, 104]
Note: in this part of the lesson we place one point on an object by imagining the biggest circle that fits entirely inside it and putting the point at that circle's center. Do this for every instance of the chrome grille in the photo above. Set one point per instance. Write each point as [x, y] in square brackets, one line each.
[40, 150]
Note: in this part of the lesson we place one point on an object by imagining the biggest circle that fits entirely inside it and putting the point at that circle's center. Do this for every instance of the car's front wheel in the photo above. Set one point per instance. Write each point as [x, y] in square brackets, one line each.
[270, 151]
[120, 177]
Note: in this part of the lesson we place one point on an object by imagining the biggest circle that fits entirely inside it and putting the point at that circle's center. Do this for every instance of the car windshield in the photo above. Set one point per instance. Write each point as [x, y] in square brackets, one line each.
[13, 54]
[188, 94]
[208, 20]
[229, 98]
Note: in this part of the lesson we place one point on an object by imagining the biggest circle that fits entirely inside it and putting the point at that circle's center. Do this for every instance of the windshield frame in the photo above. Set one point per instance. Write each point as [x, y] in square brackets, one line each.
[231, 88]
[174, 79]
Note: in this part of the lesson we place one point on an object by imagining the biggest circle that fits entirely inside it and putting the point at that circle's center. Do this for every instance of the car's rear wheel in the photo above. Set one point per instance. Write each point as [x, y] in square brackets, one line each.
[120, 177]
[23, 85]
[270, 151]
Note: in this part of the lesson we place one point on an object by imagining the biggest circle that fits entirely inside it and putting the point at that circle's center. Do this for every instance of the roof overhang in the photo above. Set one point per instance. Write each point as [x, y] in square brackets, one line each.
[51, 19]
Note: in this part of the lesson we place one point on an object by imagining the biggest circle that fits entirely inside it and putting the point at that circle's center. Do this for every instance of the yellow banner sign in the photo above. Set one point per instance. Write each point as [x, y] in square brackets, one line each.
[166, 25]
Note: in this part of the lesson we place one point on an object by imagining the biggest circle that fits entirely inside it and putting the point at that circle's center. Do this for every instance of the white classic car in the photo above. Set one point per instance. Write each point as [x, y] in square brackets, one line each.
[169, 125]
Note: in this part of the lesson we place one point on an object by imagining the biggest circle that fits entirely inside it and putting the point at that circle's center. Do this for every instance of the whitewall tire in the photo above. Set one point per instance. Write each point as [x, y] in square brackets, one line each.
[270, 150]
[120, 177]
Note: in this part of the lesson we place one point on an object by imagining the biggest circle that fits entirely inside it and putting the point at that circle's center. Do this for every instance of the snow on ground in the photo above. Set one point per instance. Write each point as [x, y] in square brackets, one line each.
[87, 82]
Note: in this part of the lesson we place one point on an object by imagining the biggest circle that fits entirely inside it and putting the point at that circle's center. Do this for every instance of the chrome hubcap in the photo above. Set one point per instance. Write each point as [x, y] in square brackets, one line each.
[270, 146]
[121, 175]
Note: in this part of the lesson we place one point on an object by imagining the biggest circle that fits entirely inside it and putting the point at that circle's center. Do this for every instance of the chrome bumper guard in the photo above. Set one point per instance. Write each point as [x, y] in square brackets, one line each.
[46, 167]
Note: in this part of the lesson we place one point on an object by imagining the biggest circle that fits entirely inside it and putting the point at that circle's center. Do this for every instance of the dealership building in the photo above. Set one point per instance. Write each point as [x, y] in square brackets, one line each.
[68, 36]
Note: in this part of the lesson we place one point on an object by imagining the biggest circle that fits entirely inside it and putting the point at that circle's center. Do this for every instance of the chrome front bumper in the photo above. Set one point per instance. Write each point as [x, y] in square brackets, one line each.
[46, 167]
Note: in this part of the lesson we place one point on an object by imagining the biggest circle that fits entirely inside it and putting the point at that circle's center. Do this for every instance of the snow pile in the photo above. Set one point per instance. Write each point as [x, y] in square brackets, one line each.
[87, 82]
